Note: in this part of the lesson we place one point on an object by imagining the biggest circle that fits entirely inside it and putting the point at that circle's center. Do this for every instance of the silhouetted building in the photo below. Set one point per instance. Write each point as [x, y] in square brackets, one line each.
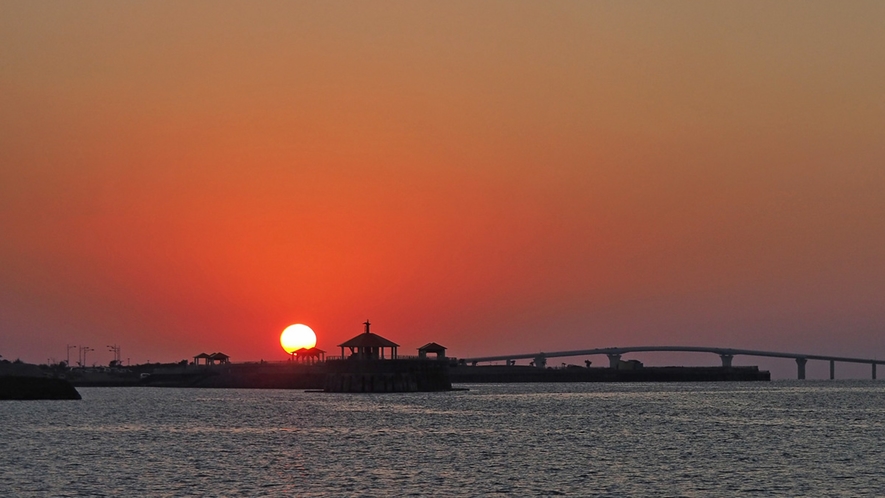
[369, 346]
[218, 358]
[308, 356]
[202, 356]
[368, 370]
[629, 365]
[432, 347]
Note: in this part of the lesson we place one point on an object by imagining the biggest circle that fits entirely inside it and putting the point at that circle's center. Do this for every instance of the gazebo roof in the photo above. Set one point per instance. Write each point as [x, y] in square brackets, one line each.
[218, 356]
[368, 340]
[202, 355]
[308, 352]
[432, 347]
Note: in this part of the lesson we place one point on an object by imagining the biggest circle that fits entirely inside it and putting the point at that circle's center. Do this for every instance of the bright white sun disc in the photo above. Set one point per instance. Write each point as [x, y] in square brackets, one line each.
[296, 337]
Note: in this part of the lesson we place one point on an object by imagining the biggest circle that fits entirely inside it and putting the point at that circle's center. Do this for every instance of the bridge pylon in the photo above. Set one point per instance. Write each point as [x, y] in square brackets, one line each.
[614, 360]
[800, 363]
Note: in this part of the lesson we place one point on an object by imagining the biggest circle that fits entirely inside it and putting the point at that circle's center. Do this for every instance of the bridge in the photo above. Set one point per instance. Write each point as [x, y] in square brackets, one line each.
[725, 354]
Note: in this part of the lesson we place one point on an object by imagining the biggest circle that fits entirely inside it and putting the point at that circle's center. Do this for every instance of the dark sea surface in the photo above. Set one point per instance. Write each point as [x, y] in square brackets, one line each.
[783, 438]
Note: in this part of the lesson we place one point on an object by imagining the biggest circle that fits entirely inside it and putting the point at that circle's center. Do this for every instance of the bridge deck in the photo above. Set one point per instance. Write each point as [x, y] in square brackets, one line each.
[680, 349]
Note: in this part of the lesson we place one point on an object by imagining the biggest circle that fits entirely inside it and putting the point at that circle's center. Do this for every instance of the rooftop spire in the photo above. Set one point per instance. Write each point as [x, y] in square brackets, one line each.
[367, 325]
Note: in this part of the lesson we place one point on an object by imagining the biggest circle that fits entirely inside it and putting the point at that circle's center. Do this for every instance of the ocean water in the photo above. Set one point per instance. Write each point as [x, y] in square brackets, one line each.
[783, 438]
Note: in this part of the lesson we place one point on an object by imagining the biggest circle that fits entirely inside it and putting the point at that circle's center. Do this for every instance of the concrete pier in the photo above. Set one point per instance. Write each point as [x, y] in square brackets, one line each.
[614, 360]
[726, 360]
[832, 369]
[386, 376]
[874, 371]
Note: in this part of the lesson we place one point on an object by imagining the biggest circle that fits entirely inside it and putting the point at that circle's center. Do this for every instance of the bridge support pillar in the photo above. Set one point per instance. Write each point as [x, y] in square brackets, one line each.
[832, 369]
[541, 361]
[726, 360]
[614, 360]
[874, 371]
[800, 362]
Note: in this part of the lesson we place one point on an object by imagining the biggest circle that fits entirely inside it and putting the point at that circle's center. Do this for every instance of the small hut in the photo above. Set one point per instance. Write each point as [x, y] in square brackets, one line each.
[369, 346]
[432, 347]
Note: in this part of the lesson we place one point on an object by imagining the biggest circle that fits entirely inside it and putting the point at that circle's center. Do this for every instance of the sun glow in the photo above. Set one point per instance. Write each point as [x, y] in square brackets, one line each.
[296, 337]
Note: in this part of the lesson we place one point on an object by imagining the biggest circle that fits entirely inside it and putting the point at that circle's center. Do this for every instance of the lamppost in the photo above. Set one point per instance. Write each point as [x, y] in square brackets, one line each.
[68, 354]
[83, 351]
[116, 350]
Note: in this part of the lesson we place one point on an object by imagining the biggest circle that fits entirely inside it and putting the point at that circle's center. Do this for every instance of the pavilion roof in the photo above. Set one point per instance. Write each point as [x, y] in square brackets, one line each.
[218, 356]
[202, 355]
[368, 340]
[308, 352]
[432, 347]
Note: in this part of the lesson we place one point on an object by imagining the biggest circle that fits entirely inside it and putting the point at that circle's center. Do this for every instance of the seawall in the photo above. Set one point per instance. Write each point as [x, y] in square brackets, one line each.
[386, 376]
[393, 375]
[520, 373]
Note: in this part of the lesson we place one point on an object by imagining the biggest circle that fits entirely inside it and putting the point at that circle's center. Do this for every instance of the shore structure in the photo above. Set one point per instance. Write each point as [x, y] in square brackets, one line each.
[369, 346]
[500, 374]
[308, 356]
[22, 381]
[370, 363]
[373, 366]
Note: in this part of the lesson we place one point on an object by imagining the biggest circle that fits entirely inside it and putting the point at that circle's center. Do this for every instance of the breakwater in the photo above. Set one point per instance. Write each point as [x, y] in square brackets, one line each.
[390, 375]
[406, 375]
[520, 373]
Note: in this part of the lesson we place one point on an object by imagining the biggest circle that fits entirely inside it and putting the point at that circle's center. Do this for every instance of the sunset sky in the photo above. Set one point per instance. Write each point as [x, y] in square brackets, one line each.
[497, 177]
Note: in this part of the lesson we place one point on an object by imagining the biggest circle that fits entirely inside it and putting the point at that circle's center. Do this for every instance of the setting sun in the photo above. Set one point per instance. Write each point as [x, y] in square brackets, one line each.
[296, 337]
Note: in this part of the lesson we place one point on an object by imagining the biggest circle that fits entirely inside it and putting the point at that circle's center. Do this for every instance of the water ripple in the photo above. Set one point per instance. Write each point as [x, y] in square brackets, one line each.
[780, 438]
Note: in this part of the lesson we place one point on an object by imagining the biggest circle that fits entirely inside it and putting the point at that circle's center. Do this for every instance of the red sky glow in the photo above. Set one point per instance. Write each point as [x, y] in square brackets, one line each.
[497, 177]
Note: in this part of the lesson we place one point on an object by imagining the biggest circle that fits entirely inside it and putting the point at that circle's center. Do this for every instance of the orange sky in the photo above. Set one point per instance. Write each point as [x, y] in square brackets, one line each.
[493, 176]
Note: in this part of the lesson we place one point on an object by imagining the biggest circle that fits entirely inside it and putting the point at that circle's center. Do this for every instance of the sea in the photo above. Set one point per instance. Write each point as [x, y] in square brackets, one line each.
[780, 438]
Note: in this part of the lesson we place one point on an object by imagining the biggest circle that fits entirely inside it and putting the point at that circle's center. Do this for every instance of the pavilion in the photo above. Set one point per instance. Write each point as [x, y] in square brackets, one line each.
[308, 356]
[211, 359]
[202, 356]
[369, 346]
[219, 358]
[432, 347]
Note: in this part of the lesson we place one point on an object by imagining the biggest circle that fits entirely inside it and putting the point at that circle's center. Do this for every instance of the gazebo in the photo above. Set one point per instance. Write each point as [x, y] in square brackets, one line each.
[202, 356]
[369, 346]
[432, 347]
[308, 356]
[219, 357]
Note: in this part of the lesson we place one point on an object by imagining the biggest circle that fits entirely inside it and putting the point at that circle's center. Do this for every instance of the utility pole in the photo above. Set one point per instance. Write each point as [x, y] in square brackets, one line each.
[68, 354]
